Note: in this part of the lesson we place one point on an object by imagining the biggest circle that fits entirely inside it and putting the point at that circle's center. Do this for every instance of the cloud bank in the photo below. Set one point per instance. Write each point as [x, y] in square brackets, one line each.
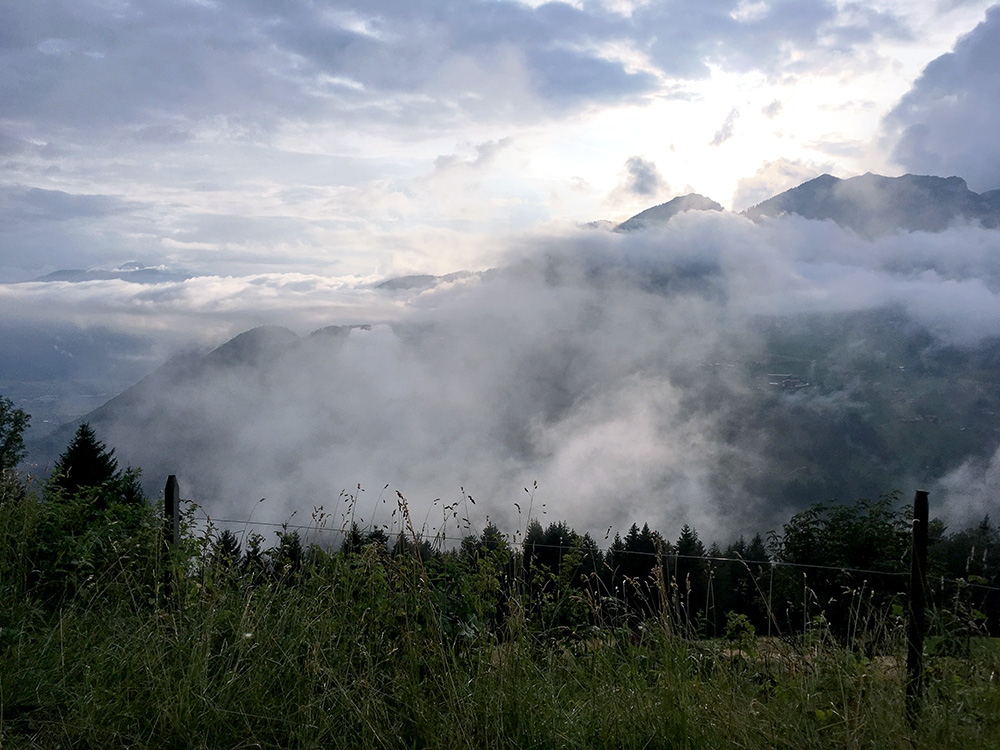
[621, 372]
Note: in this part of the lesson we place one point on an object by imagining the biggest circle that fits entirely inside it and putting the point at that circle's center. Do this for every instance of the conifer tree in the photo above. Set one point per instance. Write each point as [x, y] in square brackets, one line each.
[86, 462]
[690, 574]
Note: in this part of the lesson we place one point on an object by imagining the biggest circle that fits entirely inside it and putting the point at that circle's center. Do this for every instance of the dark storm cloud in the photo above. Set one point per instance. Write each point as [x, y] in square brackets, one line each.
[947, 123]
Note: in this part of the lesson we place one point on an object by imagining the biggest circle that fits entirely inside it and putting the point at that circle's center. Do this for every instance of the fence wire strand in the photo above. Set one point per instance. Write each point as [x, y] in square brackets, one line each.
[668, 555]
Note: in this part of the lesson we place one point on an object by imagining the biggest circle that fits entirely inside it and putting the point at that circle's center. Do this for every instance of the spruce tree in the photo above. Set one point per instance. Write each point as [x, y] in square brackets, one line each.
[86, 462]
[691, 576]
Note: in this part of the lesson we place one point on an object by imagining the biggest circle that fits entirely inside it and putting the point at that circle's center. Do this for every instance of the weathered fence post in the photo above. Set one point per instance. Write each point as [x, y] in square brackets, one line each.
[171, 531]
[172, 512]
[917, 625]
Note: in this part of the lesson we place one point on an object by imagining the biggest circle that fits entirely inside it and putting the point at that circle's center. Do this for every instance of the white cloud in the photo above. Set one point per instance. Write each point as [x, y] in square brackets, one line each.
[970, 492]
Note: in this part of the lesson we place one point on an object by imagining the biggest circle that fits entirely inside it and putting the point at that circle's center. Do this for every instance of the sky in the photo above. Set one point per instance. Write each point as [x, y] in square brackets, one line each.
[273, 162]
[359, 140]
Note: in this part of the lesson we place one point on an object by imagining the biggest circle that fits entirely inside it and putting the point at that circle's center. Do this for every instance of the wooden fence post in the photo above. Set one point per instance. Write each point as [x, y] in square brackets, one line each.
[917, 625]
[172, 512]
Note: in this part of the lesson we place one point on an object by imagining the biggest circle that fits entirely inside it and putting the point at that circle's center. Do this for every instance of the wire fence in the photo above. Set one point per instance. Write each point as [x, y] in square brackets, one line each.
[669, 554]
[914, 591]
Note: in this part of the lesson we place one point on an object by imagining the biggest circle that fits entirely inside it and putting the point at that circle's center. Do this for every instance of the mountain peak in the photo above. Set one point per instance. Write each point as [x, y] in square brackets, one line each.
[661, 214]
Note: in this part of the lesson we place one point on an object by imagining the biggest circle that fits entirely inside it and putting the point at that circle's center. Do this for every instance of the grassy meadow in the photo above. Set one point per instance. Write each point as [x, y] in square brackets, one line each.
[110, 639]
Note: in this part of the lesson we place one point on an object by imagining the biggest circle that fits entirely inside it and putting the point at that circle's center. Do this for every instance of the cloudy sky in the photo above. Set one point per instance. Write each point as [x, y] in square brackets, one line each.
[273, 161]
[351, 140]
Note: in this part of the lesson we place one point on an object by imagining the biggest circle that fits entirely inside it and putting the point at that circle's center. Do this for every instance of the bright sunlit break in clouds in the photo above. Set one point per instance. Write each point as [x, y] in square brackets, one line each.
[214, 165]
[396, 137]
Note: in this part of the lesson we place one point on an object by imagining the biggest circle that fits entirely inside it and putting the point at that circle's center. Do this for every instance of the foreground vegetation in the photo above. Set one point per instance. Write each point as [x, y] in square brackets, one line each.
[109, 640]
[112, 637]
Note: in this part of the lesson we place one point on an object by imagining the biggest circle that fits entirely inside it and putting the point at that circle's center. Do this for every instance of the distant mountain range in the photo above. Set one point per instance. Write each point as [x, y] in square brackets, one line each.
[870, 204]
[157, 403]
[796, 408]
[133, 272]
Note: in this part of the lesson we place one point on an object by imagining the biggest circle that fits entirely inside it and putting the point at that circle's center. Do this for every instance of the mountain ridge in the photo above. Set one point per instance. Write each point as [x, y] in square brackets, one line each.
[872, 205]
[664, 212]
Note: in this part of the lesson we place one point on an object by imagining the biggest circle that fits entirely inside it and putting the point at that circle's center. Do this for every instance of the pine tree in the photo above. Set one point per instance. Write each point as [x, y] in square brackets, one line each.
[86, 462]
[691, 576]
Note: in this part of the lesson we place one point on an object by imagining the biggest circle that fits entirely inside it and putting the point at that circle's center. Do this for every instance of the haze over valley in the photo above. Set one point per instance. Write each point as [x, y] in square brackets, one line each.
[672, 287]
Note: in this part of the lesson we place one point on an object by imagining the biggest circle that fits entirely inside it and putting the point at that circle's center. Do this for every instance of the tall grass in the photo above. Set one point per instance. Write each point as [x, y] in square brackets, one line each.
[367, 650]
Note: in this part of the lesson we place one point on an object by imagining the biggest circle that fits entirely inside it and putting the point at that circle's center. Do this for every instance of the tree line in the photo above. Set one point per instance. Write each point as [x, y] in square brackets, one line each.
[835, 566]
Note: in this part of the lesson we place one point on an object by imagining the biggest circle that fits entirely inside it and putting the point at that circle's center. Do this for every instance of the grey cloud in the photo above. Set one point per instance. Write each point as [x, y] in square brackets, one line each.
[639, 182]
[862, 24]
[163, 134]
[486, 152]
[44, 230]
[413, 64]
[567, 76]
[813, 32]
[227, 228]
[10, 144]
[683, 37]
[725, 132]
[946, 124]
[642, 178]
[258, 63]
[840, 148]
[135, 63]
[57, 205]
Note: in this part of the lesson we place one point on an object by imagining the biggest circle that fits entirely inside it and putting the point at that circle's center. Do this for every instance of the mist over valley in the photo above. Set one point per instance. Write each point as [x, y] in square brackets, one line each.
[654, 262]
[702, 368]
